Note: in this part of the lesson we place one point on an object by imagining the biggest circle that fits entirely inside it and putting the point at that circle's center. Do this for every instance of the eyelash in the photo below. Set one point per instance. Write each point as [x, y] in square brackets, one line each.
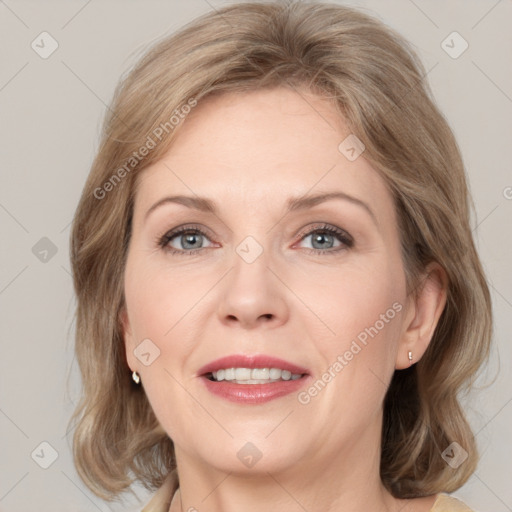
[341, 235]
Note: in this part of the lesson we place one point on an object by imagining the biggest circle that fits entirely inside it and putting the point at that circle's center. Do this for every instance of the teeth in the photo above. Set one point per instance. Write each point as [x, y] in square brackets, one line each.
[275, 373]
[242, 373]
[261, 373]
[254, 375]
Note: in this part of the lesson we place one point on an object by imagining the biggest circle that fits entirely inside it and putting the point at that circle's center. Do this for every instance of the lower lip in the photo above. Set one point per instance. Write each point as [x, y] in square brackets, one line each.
[253, 393]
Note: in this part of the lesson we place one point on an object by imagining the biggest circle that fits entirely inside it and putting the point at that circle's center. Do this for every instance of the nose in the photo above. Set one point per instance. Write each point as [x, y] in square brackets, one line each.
[253, 295]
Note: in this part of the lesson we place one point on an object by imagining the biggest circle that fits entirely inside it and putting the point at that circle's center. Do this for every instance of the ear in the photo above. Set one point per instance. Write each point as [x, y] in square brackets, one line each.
[129, 342]
[423, 313]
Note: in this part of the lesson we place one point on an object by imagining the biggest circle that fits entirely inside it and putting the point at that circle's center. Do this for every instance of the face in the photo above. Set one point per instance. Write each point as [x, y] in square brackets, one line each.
[319, 285]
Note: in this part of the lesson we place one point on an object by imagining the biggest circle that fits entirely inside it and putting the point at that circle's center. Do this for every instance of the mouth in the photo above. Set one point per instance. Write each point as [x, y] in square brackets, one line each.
[252, 375]
[252, 379]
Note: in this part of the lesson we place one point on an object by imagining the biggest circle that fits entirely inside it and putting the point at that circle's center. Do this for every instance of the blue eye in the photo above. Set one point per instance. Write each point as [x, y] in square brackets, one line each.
[188, 236]
[191, 240]
[324, 237]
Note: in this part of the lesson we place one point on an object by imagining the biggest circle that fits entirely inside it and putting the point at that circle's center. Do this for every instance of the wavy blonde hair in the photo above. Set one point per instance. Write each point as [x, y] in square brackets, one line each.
[377, 83]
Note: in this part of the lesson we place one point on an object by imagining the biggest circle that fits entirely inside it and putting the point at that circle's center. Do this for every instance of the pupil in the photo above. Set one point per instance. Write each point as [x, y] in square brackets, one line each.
[189, 239]
[320, 237]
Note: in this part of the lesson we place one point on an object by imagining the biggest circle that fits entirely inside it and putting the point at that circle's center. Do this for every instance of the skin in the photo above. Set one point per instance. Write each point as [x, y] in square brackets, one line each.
[249, 153]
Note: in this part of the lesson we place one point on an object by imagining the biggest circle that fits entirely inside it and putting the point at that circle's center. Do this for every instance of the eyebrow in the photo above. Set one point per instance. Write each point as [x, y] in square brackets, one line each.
[293, 203]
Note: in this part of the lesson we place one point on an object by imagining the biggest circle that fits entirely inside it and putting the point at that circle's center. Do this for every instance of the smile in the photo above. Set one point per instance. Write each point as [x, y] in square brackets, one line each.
[253, 375]
[252, 379]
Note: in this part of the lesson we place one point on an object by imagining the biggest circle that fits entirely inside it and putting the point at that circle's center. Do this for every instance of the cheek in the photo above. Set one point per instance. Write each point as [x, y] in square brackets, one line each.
[362, 307]
[370, 333]
[358, 362]
[159, 308]
[158, 300]
[351, 297]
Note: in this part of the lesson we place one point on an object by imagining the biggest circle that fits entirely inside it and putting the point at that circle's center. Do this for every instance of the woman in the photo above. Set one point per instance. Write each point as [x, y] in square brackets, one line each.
[279, 296]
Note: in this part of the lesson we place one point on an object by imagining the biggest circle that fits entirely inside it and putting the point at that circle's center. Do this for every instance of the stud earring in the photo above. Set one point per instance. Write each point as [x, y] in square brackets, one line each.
[410, 357]
[135, 377]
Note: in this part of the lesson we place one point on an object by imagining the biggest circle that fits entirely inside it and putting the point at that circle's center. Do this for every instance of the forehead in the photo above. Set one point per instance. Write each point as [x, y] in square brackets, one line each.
[261, 147]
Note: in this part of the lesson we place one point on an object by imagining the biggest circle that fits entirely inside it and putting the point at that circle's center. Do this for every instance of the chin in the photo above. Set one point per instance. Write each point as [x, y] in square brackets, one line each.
[251, 455]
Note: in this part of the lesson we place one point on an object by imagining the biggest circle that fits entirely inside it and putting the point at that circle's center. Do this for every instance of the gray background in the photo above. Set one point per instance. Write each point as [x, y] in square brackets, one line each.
[51, 112]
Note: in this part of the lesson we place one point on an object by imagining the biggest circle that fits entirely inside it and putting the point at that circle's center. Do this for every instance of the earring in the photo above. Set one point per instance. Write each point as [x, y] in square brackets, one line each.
[410, 357]
[135, 377]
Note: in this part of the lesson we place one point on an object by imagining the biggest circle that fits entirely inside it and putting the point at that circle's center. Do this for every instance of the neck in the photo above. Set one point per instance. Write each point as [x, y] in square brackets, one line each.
[347, 480]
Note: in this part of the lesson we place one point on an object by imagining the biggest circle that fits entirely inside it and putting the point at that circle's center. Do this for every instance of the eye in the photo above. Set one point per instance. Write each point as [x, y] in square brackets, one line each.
[189, 239]
[324, 238]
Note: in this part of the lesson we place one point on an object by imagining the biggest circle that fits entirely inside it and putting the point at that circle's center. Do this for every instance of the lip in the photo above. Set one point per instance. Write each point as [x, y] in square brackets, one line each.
[250, 361]
[252, 393]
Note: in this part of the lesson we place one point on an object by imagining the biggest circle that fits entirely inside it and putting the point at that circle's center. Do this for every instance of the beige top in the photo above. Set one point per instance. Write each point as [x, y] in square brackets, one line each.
[161, 500]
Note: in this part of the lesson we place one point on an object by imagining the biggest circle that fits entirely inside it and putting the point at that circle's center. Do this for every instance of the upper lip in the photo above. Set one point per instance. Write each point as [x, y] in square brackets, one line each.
[250, 361]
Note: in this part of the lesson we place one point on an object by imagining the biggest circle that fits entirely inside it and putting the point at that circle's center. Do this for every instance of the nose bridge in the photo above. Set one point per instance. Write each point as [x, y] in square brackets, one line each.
[252, 293]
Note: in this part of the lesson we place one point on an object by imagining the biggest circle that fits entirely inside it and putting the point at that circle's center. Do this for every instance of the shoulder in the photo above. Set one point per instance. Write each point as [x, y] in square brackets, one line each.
[446, 503]
[161, 500]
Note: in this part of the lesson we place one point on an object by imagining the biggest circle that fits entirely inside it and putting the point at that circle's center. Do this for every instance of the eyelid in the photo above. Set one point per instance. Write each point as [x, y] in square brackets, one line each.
[325, 226]
[163, 240]
[343, 236]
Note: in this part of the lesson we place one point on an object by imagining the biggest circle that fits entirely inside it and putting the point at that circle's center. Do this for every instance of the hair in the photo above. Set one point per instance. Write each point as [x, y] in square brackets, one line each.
[377, 83]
